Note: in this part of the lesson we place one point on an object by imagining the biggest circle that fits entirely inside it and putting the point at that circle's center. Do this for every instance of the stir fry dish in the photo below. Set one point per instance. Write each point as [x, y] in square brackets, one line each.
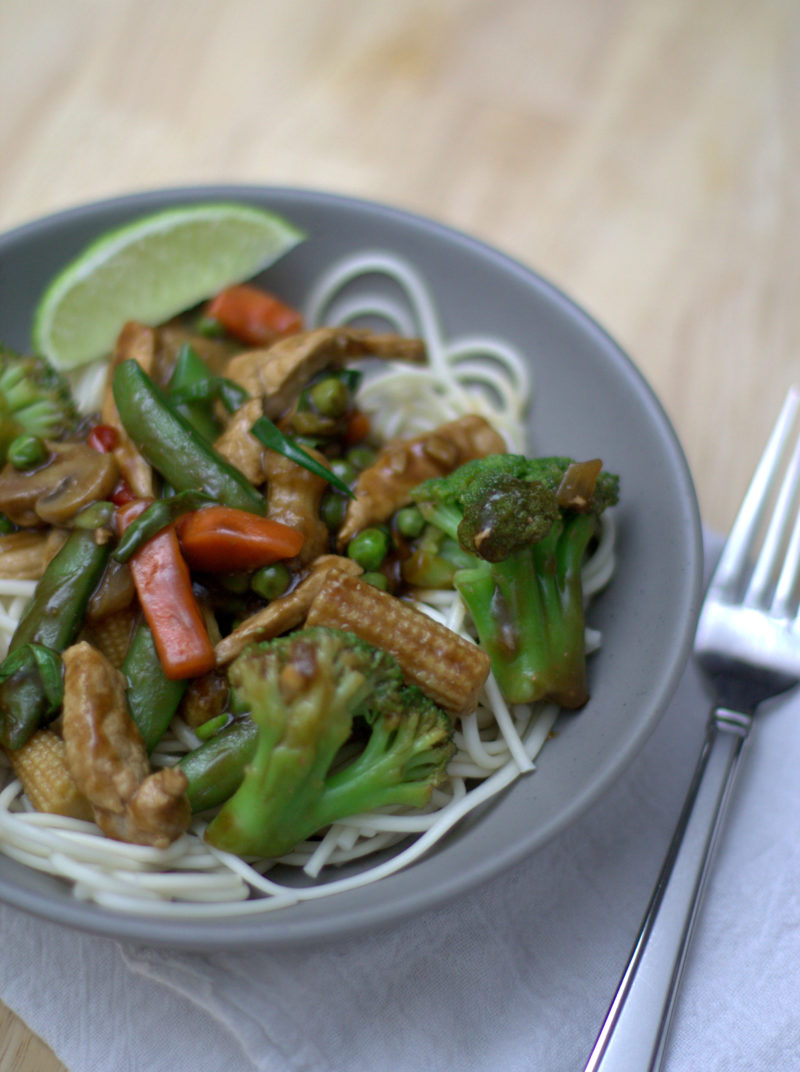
[256, 614]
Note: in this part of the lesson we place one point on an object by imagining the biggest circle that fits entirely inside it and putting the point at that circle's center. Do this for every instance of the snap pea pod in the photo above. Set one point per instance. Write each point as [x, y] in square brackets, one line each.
[172, 446]
[215, 388]
[152, 697]
[191, 372]
[31, 680]
[216, 768]
[155, 518]
[52, 619]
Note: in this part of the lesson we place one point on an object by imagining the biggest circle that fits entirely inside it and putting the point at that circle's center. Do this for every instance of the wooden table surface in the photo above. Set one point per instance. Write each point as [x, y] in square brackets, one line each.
[642, 154]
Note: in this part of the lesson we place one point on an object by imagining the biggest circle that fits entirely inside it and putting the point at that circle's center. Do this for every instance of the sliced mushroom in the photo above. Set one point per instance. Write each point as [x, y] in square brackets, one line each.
[284, 613]
[108, 760]
[385, 486]
[74, 477]
[278, 373]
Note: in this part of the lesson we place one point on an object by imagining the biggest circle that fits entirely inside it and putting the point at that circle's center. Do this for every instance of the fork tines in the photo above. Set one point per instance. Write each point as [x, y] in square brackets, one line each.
[760, 563]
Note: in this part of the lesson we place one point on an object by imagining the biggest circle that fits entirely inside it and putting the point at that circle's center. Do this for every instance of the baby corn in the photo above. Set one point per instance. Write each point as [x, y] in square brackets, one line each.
[41, 766]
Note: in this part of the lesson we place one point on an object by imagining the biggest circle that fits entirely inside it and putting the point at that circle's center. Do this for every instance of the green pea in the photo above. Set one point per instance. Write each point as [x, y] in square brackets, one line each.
[271, 581]
[361, 457]
[409, 522]
[332, 510]
[236, 583]
[376, 579]
[345, 470]
[329, 397]
[214, 725]
[209, 327]
[26, 451]
[6, 525]
[369, 548]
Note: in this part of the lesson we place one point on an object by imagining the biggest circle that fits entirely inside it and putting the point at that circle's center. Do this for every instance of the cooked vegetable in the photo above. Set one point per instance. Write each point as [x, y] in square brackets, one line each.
[191, 371]
[111, 634]
[448, 668]
[211, 728]
[271, 436]
[51, 621]
[253, 316]
[31, 692]
[215, 769]
[103, 438]
[285, 612]
[193, 389]
[332, 510]
[155, 517]
[27, 451]
[41, 766]
[369, 548]
[512, 538]
[172, 446]
[56, 611]
[409, 522]
[220, 539]
[271, 581]
[34, 400]
[164, 586]
[152, 697]
[330, 397]
[74, 477]
[304, 693]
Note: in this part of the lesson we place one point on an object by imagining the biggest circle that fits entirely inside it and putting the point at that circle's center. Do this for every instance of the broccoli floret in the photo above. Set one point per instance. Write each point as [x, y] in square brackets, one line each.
[307, 693]
[511, 534]
[35, 399]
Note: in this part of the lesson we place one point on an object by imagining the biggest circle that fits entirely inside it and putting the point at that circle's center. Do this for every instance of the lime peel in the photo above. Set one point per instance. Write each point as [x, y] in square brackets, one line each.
[152, 269]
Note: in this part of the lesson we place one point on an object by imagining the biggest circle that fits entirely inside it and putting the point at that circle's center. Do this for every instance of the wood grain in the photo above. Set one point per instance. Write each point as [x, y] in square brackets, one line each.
[642, 154]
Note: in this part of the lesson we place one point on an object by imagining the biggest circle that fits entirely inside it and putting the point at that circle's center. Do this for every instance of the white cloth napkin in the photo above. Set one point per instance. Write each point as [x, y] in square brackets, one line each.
[515, 975]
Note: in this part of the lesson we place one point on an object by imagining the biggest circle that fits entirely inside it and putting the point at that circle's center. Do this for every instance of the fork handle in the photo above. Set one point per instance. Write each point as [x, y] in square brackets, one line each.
[635, 1028]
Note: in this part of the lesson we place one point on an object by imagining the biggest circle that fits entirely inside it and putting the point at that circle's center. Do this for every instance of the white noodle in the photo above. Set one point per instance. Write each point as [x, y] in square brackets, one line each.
[494, 745]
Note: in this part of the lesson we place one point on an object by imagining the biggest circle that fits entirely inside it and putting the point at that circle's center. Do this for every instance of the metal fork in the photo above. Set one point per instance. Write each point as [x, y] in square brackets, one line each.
[748, 646]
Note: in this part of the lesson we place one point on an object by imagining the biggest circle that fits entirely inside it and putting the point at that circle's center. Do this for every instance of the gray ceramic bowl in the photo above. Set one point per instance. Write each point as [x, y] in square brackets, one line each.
[590, 401]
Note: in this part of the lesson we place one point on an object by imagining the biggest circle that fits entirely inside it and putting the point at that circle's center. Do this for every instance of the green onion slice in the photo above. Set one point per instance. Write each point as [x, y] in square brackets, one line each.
[271, 436]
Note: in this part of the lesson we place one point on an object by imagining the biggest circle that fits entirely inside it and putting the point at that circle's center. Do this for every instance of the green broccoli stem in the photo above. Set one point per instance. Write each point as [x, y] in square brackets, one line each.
[291, 760]
[377, 777]
[528, 612]
[444, 517]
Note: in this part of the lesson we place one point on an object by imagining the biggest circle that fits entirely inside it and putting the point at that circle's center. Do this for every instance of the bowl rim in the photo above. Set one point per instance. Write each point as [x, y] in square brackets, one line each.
[250, 932]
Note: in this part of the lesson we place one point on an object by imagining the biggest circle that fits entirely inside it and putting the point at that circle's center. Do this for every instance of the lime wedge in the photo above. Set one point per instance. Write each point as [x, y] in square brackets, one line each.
[150, 270]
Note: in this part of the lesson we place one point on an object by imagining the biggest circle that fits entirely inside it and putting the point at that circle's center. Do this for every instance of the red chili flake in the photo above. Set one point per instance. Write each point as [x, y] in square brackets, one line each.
[122, 494]
[103, 438]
